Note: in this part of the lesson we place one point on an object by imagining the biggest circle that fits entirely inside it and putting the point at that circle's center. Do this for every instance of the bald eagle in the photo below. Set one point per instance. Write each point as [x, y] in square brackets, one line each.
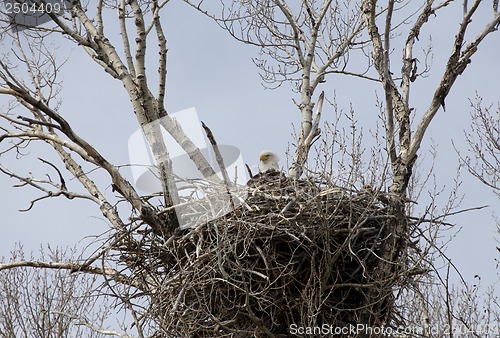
[268, 161]
[269, 173]
[273, 191]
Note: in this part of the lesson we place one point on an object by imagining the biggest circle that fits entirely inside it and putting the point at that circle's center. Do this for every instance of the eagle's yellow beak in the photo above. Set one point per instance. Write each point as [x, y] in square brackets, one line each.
[264, 157]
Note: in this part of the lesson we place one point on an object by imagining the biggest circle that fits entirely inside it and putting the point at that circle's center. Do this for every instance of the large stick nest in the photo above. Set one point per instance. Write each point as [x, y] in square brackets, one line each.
[292, 253]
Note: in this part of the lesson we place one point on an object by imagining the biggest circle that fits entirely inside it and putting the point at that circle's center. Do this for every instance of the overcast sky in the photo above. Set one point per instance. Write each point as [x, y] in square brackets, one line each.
[212, 72]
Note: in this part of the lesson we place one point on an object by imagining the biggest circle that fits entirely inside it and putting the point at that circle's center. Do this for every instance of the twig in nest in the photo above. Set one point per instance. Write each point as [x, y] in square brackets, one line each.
[219, 159]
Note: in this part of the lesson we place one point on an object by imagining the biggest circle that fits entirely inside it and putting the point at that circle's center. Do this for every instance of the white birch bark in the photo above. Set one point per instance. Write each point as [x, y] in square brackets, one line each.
[148, 110]
[403, 149]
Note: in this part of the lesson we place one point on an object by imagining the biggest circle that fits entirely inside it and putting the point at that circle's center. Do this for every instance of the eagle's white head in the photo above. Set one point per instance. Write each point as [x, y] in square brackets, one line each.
[268, 161]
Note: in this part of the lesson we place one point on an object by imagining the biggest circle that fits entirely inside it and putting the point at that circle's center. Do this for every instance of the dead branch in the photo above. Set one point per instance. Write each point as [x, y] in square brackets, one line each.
[74, 267]
[81, 321]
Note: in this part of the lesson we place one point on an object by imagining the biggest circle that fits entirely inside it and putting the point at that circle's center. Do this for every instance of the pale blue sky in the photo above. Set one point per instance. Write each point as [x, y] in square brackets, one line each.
[212, 72]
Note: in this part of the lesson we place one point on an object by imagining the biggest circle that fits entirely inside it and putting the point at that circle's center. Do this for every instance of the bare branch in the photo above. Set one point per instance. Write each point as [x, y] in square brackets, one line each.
[99, 22]
[484, 144]
[84, 322]
[162, 63]
[456, 65]
[73, 267]
[304, 145]
[125, 38]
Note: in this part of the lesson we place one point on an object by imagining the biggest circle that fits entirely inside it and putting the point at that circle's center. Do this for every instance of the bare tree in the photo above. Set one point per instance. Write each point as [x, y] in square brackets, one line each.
[484, 142]
[484, 147]
[45, 302]
[297, 251]
[435, 307]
